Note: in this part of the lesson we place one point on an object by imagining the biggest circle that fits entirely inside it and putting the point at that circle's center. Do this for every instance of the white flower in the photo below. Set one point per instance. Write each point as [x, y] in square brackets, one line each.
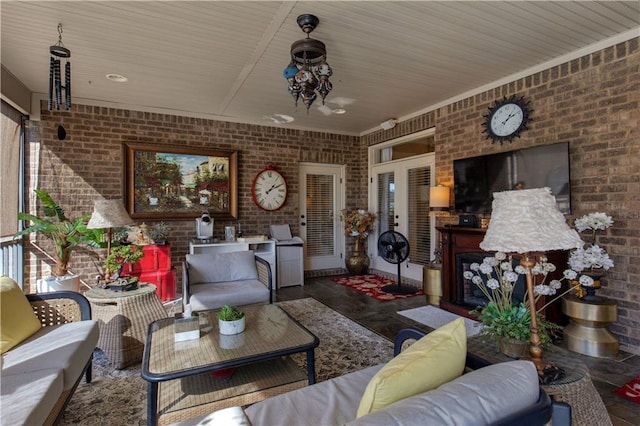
[555, 284]
[500, 256]
[586, 281]
[491, 261]
[537, 269]
[474, 267]
[477, 280]
[593, 257]
[505, 266]
[593, 221]
[486, 269]
[467, 275]
[521, 270]
[570, 274]
[549, 267]
[493, 284]
[511, 277]
[544, 290]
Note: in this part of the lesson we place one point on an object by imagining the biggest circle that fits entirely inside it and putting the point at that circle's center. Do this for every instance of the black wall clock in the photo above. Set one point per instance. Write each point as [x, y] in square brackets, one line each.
[507, 119]
[269, 189]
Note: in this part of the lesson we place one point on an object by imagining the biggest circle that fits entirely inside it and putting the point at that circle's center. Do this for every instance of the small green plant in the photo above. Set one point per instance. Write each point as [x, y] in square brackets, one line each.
[230, 313]
[159, 232]
[120, 255]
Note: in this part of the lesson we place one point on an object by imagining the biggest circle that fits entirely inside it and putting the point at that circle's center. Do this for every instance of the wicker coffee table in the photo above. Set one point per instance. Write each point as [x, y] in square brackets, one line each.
[184, 377]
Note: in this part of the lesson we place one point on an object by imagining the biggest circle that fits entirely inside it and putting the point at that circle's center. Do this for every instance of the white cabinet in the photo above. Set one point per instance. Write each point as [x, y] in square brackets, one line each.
[290, 265]
[264, 249]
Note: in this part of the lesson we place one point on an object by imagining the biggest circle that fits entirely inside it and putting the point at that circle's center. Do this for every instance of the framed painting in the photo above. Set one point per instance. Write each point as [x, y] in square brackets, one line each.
[167, 182]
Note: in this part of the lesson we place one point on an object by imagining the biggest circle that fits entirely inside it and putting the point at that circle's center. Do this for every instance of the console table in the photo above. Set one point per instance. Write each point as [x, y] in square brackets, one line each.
[264, 249]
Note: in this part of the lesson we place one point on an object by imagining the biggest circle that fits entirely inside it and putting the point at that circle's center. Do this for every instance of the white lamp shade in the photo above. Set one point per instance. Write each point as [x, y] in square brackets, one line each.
[109, 214]
[528, 220]
[438, 198]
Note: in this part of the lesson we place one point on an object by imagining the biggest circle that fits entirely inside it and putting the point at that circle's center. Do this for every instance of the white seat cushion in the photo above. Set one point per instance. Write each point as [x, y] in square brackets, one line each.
[236, 293]
[64, 347]
[28, 398]
[221, 267]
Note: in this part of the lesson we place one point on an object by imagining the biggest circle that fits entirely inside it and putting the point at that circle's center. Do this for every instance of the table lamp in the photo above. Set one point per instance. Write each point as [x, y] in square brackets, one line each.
[109, 214]
[528, 222]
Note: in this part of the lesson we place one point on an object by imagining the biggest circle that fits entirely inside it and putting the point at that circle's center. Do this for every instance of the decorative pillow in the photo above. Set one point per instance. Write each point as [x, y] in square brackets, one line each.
[16, 315]
[222, 267]
[435, 359]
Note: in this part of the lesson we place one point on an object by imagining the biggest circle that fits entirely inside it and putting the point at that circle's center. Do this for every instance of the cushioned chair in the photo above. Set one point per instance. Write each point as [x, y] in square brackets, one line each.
[212, 280]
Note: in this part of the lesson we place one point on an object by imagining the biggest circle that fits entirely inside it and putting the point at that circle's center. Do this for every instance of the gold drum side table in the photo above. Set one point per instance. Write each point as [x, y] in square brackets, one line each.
[587, 332]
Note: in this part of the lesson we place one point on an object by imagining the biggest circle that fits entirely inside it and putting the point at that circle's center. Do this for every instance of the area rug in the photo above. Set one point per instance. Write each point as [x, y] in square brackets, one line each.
[436, 317]
[371, 285]
[630, 391]
[118, 397]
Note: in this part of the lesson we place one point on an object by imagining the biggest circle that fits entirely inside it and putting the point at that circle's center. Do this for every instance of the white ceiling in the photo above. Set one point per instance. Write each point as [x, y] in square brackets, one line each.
[224, 60]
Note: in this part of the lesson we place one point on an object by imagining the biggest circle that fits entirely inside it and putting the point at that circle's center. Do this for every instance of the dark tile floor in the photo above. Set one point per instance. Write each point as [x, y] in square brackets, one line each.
[381, 317]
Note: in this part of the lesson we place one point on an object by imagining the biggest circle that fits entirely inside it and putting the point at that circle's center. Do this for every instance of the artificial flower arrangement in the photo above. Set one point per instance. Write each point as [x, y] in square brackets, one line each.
[496, 277]
[592, 259]
[358, 223]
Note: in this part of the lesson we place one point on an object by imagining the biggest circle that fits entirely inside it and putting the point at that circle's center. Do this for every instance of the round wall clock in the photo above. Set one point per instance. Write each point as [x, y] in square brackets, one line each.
[507, 119]
[269, 189]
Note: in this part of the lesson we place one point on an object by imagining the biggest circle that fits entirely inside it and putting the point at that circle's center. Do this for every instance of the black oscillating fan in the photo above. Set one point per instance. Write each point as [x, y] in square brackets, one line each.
[394, 248]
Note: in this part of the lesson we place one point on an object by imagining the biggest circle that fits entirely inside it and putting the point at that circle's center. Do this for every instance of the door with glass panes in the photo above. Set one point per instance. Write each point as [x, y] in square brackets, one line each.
[400, 196]
[321, 200]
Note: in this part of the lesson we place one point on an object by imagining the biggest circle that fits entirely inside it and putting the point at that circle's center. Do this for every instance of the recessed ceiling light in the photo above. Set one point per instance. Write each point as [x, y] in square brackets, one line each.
[339, 111]
[117, 78]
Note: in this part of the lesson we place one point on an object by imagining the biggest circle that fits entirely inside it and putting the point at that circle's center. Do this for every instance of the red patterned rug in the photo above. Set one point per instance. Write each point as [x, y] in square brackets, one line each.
[371, 285]
[630, 391]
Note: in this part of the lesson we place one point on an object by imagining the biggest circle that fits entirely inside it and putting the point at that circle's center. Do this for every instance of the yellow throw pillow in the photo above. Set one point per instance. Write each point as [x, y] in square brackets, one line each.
[17, 320]
[435, 359]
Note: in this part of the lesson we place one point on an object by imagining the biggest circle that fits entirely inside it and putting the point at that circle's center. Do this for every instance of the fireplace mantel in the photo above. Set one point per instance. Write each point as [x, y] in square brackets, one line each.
[458, 239]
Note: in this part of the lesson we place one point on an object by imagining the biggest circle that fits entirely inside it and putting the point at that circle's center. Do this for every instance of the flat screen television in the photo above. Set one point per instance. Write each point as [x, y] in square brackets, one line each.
[477, 178]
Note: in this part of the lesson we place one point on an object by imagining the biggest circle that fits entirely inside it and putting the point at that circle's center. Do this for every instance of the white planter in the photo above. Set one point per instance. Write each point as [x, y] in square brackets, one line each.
[231, 342]
[65, 283]
[229, 328]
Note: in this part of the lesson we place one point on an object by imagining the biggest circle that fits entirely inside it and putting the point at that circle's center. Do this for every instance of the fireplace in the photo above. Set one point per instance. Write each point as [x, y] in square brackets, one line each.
[461, 248]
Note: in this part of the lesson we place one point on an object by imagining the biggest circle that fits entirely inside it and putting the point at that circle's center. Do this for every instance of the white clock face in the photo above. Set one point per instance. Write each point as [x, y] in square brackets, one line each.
[507, 119]
[269, 190]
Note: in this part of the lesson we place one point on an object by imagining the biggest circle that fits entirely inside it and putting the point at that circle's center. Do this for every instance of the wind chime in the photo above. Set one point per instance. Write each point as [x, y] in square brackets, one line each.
[59, 52]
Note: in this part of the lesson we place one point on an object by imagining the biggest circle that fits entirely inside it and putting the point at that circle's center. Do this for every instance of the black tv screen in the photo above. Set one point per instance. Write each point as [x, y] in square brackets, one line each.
[477, 178]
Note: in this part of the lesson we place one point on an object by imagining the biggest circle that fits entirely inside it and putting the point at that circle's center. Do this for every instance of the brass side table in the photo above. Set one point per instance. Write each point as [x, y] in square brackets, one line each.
[587, 332]
[123, 318]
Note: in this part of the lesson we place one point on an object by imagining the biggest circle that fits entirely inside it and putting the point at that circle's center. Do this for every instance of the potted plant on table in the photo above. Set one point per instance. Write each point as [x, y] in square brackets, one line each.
[231, 320]
[113, 263]
[504, 319]
[67, 235]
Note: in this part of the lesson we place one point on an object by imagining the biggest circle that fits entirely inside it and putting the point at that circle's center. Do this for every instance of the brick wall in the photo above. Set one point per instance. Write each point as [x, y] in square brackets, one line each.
[88, 165]
[593, 103]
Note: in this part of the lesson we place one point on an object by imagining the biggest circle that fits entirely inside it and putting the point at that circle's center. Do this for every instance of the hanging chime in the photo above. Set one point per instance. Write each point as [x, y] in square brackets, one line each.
[59, 52]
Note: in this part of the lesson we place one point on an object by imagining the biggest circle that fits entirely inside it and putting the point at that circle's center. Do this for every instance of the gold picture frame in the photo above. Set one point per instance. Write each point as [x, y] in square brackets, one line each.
[165, 182]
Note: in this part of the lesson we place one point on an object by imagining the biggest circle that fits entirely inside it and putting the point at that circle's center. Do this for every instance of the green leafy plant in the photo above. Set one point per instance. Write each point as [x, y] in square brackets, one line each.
[230, 313]
[67, 235]
[120, 255]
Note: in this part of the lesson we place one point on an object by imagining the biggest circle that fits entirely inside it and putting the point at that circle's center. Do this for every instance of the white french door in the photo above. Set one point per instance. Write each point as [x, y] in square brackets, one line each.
[400, 195]
[321, 200]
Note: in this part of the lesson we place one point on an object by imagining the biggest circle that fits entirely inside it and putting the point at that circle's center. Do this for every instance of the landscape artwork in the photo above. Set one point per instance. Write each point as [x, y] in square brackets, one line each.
[166, 182]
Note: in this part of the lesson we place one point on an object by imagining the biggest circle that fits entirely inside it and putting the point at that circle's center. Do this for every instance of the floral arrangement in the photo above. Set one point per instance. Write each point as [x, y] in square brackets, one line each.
[594, 256]
[496, 277]
[358, 223]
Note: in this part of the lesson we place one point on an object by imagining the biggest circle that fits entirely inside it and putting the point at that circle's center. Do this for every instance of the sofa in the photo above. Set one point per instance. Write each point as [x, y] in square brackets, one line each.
[40, 373]
[212, 280]
[500, 394]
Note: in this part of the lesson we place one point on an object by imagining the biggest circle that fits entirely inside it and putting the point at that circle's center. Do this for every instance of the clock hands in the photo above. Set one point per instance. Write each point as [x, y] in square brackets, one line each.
[507, 119]
[274, 186]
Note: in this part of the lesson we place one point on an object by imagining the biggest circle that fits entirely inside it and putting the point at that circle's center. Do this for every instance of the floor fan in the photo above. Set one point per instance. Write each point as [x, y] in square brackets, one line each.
[394, 248]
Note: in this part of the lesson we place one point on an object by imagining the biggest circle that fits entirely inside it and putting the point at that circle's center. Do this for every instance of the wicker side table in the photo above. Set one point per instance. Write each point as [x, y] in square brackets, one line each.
[123, 318]
[576, 388]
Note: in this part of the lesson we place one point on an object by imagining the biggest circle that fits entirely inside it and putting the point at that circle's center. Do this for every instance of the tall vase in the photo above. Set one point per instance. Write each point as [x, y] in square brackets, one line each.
[357, 262]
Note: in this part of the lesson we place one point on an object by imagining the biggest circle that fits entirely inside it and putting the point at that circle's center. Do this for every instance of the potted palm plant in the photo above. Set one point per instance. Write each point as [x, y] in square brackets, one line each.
[67, 235]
